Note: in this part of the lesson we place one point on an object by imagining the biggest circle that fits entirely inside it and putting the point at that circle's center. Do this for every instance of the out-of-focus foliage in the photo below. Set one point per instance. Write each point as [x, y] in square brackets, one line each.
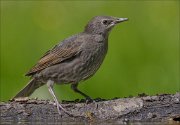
[143, 52]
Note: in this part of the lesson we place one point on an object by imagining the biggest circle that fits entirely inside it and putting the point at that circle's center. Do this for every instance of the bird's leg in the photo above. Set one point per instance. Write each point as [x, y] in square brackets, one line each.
[59, 106]
[74, 87]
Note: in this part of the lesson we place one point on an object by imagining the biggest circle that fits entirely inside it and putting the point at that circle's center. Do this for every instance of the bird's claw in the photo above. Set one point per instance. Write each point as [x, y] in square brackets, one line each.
[60, 108]
[89, 100]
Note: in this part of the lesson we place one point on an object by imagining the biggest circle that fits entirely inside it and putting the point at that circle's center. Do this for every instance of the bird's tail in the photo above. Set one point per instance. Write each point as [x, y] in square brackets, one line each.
[28, 89]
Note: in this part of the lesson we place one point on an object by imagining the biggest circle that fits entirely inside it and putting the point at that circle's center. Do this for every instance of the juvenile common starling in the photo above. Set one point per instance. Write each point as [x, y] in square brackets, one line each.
[75, 59]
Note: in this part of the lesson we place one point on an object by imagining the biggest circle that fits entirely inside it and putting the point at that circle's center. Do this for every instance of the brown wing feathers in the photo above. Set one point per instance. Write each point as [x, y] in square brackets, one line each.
[54, 56]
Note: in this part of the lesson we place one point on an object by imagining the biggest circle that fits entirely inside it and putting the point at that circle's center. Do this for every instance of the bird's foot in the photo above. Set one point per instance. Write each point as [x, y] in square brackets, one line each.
[60, 108]
[89, 100]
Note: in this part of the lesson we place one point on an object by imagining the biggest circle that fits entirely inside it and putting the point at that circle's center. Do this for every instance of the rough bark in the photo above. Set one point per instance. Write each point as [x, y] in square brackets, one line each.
[165, 107]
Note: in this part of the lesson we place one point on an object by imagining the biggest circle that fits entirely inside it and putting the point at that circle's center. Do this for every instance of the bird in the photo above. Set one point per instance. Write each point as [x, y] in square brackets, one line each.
[75, 59]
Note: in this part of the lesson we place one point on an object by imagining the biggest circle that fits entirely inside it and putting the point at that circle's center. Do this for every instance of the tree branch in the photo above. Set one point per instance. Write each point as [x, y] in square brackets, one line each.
[143, 108]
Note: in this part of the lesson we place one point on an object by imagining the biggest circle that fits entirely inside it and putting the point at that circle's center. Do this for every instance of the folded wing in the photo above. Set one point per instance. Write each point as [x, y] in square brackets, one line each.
[59, 53]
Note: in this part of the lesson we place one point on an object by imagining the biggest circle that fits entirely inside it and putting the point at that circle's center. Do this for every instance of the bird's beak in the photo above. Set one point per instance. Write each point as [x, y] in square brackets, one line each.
[119, 20]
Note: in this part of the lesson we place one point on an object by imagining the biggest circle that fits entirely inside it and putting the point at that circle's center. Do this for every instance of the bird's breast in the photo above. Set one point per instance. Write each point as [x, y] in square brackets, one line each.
[92, 59]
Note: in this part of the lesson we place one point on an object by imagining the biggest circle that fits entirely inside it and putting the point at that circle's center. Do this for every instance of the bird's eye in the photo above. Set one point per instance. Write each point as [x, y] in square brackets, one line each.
[105, 22]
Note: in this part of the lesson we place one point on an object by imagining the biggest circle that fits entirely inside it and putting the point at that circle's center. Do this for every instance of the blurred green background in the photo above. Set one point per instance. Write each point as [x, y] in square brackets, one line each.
[143, 52]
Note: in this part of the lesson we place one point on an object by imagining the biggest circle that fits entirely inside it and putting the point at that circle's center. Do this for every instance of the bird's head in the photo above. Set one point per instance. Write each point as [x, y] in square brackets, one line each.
[102, 24]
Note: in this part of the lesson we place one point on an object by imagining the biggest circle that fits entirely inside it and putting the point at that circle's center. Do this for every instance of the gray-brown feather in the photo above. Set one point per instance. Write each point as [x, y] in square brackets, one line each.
[58, 54]
[88, 58]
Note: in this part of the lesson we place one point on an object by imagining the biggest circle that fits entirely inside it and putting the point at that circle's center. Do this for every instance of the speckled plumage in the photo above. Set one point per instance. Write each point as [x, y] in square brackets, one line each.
[74, 59]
